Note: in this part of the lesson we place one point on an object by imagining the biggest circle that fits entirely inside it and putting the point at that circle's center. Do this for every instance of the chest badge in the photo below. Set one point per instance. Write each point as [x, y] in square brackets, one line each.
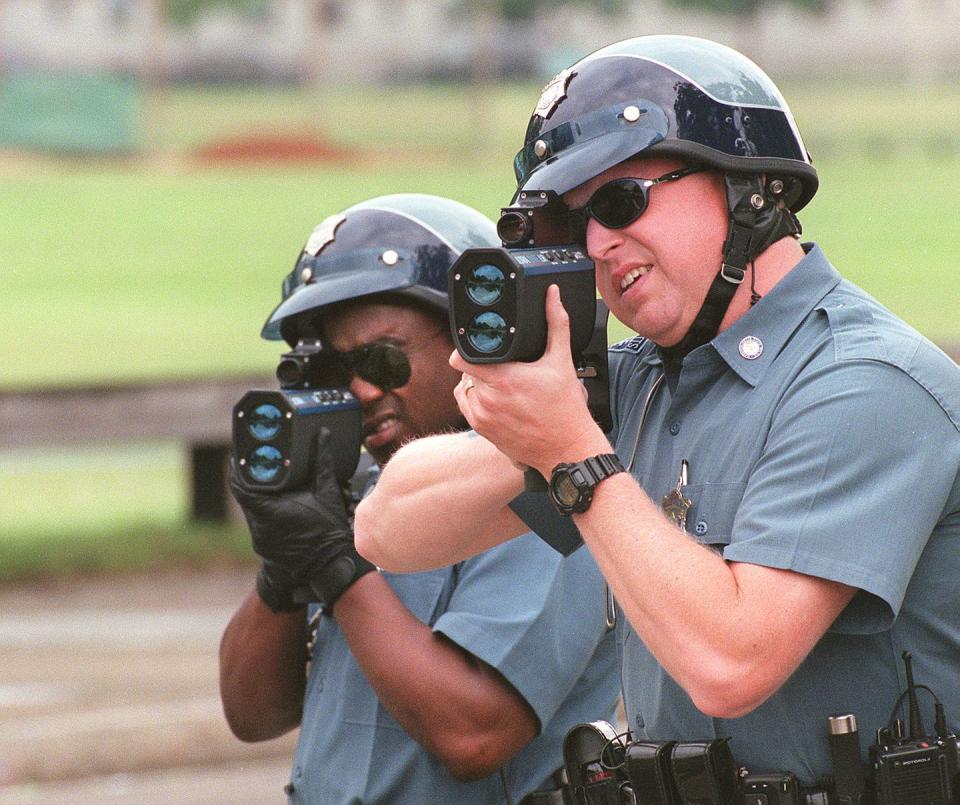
[750, 348]
[674, 504]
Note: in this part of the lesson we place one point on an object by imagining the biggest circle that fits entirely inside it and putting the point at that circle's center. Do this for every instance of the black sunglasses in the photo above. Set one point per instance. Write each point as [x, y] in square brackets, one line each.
[384, 365]
[381, 363]
[619, 202]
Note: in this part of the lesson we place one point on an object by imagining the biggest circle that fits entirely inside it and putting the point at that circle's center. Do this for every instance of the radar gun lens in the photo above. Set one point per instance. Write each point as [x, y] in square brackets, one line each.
[264, 422]
[487, 331]
[485, 284]
[265, 463]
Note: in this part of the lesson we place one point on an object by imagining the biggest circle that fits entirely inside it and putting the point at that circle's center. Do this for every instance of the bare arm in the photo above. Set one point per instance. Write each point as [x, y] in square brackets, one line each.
[457, 707]
[439, 500]
[732, 633]
[725, 621]
[262, 670]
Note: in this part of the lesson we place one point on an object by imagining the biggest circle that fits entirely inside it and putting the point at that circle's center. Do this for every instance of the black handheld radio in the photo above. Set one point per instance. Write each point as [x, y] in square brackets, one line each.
[917, 768]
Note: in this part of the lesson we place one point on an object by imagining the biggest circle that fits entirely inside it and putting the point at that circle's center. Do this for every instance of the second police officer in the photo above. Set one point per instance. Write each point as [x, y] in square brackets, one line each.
[452, 685]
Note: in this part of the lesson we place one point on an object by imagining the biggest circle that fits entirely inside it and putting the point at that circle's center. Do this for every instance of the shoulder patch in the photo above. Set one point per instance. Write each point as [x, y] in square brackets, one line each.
[633, 344]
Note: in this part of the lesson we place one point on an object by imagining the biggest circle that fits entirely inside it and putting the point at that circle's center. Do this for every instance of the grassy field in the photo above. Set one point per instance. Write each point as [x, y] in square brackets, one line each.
[157, 267]
[114, 274]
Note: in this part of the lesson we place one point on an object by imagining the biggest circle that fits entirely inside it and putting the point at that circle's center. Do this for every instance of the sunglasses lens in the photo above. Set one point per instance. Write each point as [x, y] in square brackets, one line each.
[618, 204]
[384, 365]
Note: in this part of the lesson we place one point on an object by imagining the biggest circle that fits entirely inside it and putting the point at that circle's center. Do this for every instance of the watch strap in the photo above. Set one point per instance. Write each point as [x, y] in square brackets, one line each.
[585, 476]
[602, 466]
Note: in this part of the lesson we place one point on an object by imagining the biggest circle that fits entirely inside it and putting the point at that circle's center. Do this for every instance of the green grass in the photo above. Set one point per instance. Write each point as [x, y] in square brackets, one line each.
[397, 118]
[156, 267]
[836, 117]
[126, 546]
[99, 509]
[119, 275]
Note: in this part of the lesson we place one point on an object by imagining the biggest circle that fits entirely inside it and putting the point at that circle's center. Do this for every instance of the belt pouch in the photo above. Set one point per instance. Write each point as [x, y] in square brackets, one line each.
[705, 772]
[648, 767]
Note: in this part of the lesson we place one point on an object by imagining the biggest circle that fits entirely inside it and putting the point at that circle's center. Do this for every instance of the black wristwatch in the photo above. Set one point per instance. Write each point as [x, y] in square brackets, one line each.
[572, 485]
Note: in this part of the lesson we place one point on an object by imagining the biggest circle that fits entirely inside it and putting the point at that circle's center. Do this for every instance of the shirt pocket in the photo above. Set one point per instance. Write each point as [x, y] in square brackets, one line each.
[712, 511]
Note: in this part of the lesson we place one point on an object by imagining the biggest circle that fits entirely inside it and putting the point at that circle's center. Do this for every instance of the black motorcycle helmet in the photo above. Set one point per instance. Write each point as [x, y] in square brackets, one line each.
[394, 246]
[688, 98]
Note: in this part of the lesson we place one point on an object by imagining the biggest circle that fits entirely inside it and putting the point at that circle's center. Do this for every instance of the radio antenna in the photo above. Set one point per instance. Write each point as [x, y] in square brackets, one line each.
[916, 722]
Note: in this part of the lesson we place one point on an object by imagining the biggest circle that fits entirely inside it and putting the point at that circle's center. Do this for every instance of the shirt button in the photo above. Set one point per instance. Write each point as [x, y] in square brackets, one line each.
[674, 428]
[701, 527]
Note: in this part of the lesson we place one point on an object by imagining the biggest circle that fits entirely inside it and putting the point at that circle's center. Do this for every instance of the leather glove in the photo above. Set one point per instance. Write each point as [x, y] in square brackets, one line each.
[303, 535]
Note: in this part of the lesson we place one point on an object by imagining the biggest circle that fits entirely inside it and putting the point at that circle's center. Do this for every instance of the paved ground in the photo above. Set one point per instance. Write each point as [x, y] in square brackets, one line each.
[108, 694]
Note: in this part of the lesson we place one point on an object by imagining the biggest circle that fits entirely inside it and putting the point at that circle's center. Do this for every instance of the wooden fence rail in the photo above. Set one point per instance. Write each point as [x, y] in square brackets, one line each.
[194, 412]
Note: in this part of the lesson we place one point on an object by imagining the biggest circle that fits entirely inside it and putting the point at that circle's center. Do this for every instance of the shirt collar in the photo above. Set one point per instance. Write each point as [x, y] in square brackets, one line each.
[752, 342]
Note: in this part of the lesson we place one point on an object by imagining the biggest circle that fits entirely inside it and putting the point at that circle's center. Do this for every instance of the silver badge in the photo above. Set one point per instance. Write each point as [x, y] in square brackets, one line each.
[323, 234]
[751, 348]
[553, 93]
[674, 504]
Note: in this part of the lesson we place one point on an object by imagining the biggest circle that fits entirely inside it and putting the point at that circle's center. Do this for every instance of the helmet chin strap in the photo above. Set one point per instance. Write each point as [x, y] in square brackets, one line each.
[757, 218]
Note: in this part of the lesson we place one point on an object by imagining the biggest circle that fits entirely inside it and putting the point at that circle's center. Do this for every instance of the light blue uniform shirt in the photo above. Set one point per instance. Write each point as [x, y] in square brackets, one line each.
[520, 607]
[823, 436]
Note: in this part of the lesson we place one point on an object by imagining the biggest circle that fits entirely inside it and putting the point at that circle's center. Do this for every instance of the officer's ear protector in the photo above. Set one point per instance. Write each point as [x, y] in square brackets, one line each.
[759, 214]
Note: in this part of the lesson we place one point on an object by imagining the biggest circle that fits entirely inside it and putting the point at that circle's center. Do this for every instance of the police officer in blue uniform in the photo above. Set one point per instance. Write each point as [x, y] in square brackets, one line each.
[777, 506]
[452, 685]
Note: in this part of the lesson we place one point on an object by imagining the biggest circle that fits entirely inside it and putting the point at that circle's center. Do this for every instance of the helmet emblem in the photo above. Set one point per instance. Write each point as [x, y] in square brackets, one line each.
[553, 93]
[323, 234]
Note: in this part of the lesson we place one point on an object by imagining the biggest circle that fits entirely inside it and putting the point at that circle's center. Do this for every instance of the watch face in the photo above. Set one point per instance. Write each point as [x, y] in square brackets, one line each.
[565, 490]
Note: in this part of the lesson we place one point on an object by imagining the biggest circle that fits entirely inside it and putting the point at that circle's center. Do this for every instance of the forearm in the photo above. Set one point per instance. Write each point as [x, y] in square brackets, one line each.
[729, 634]
[439, 500]
[262, 670]
[458, 708]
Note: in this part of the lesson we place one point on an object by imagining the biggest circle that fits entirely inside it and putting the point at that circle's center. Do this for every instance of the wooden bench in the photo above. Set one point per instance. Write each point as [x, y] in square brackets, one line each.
[196, 413]
[193, 412]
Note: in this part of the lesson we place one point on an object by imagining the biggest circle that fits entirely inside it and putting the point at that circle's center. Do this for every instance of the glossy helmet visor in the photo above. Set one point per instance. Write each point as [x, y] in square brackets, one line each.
[401, 244]
[662, 95]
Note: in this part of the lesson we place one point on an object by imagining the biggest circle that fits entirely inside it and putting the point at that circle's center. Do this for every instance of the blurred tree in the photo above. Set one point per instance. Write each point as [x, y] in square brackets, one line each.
[750, 18]
[517, 10]
[183, 12]
[490, 17]
[747, 6]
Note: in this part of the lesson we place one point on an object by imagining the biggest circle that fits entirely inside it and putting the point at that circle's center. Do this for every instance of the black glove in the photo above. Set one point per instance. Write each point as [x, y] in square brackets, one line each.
[303, 536]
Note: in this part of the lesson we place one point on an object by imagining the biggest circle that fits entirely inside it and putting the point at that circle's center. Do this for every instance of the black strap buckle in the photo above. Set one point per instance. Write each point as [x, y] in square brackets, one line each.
[732, 274]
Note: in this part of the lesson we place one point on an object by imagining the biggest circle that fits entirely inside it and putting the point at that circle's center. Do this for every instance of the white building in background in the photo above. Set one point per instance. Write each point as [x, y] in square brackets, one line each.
[376, 40]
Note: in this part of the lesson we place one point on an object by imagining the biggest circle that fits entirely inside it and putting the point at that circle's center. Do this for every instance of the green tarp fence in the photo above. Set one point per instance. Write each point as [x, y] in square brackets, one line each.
[79, 113]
